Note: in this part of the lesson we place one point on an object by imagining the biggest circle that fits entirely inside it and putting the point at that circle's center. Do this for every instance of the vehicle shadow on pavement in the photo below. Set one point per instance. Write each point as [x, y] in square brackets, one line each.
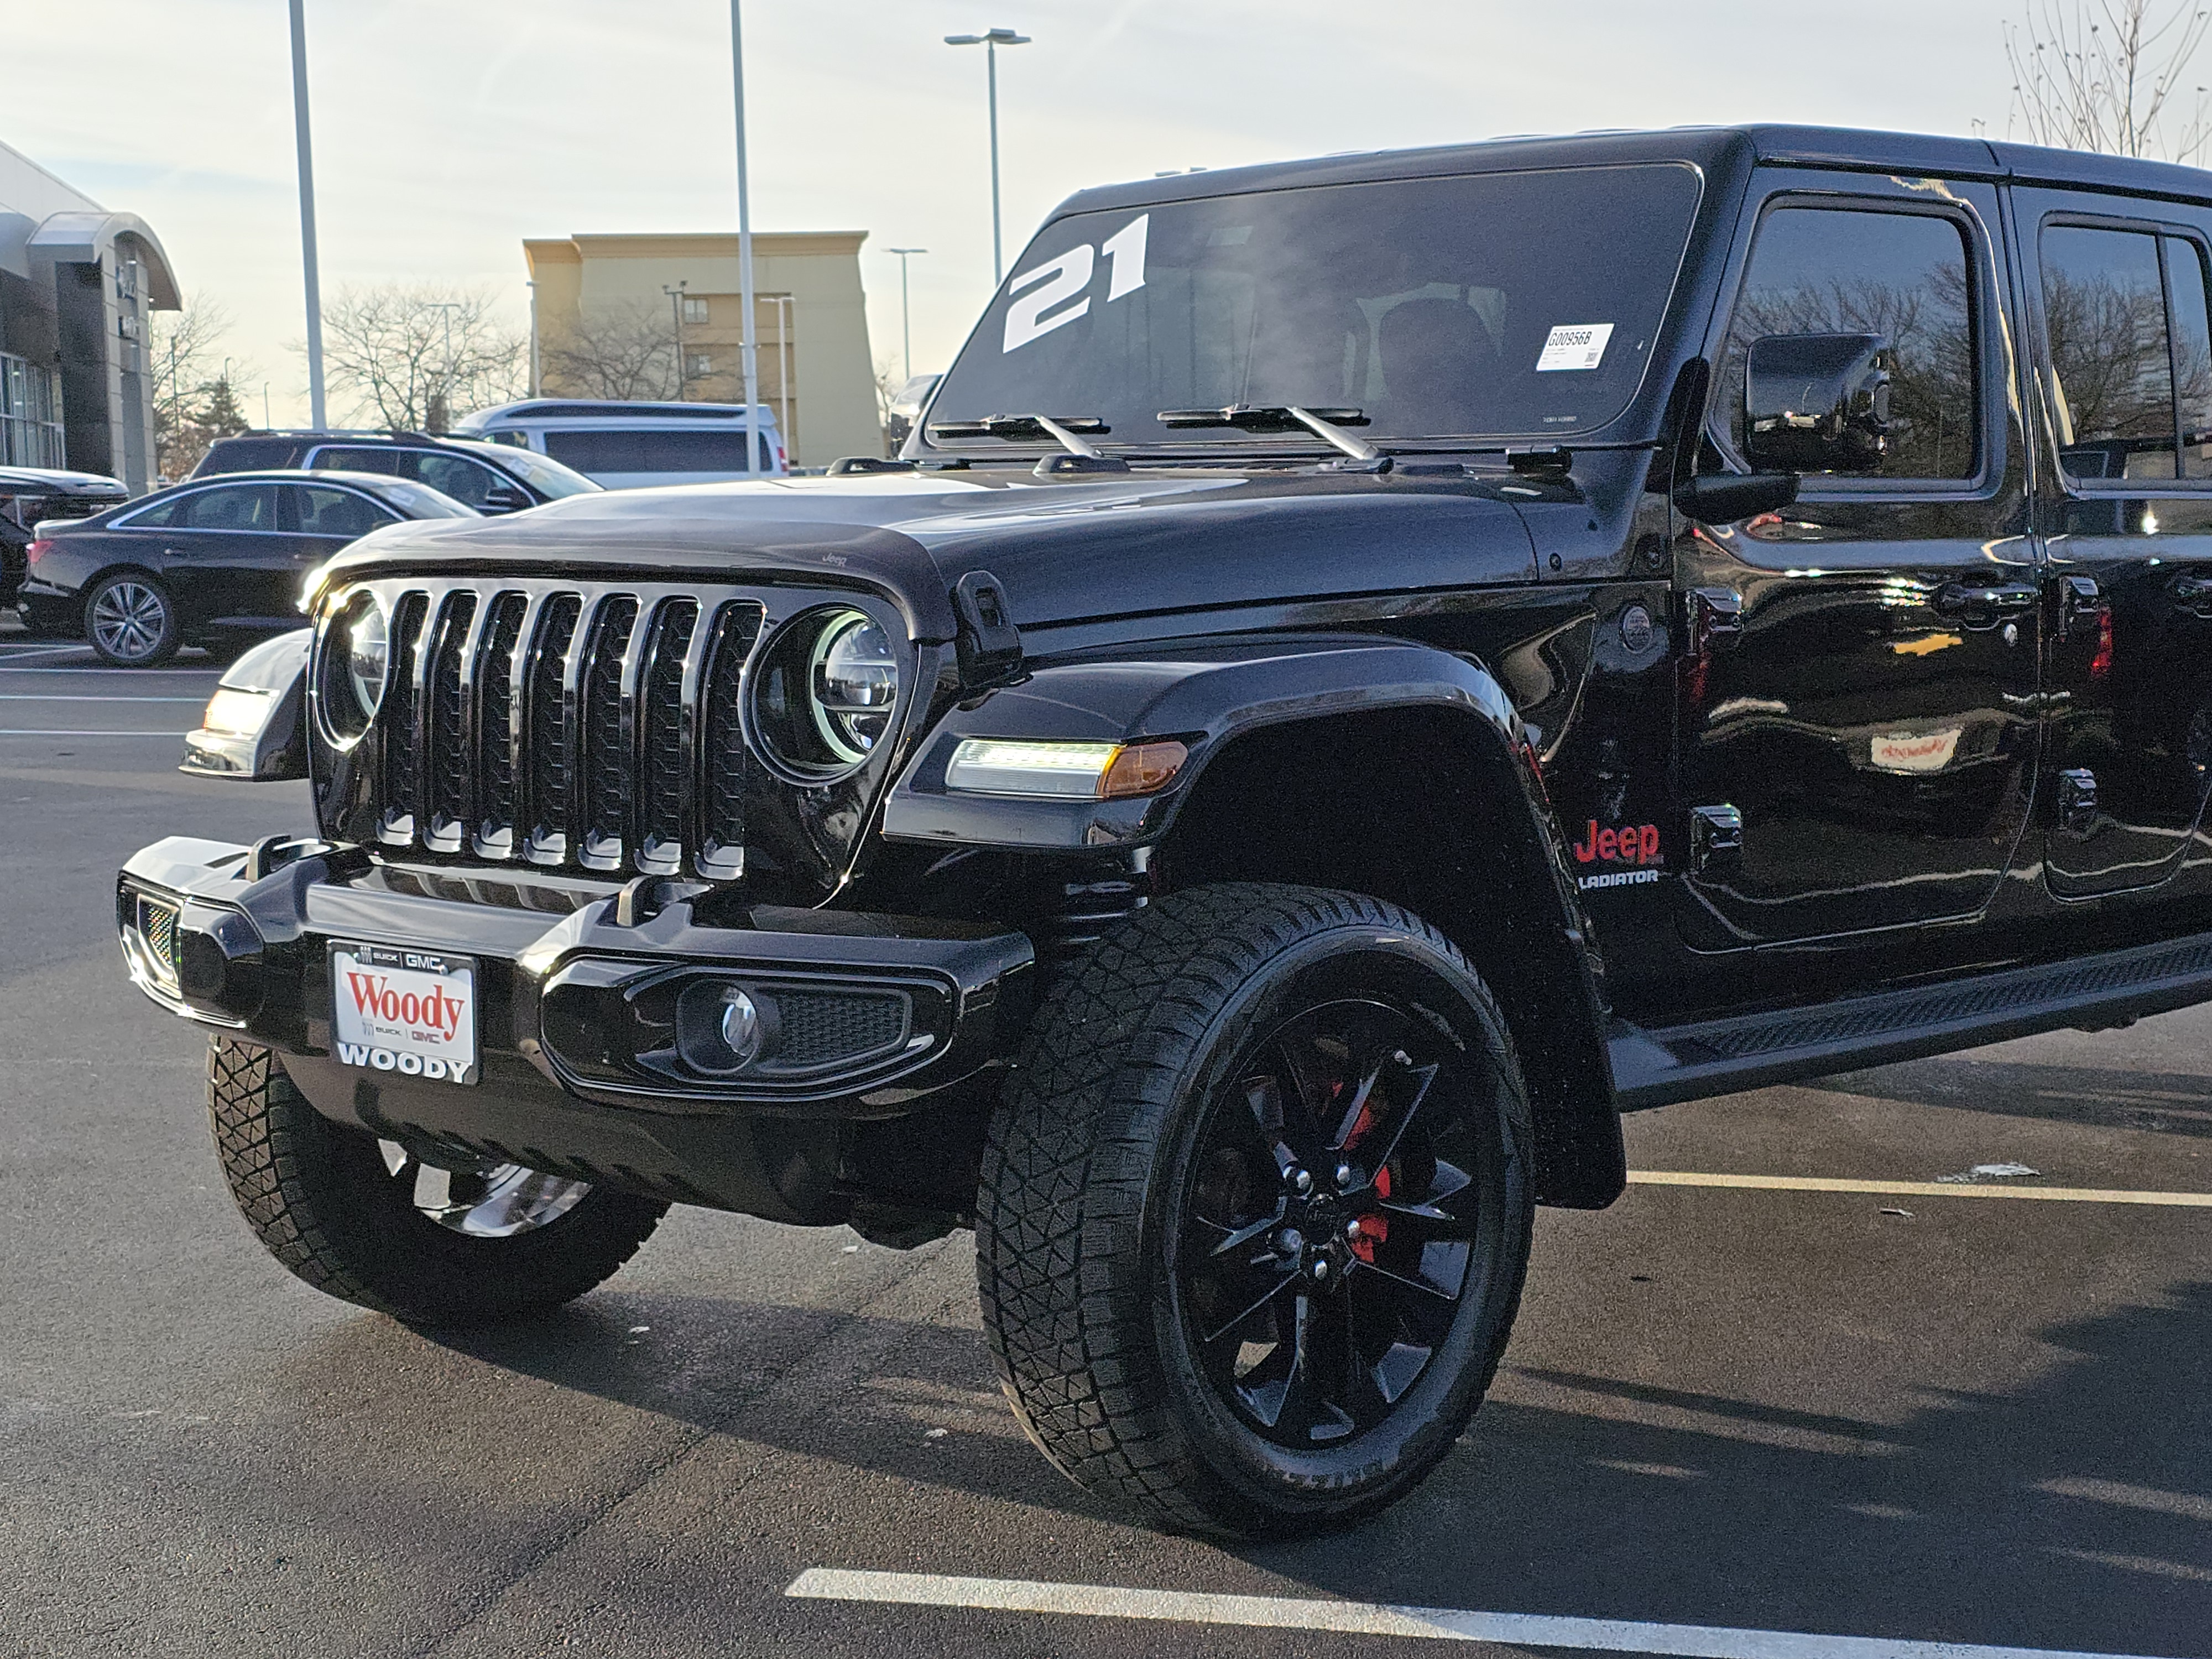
[2176, 1104]
[2075, 1513]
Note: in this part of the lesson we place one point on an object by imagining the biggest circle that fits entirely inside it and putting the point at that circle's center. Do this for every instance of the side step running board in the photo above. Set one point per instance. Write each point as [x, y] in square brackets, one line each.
[1656, 1066]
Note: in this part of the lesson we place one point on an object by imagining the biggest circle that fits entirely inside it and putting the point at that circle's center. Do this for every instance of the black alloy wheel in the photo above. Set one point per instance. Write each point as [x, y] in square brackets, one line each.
[1329, 1219]
[1255, 1211]
[131, 621]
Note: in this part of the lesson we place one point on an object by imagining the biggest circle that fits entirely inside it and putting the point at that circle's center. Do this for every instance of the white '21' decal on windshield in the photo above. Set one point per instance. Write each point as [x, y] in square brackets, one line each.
[1063, 278]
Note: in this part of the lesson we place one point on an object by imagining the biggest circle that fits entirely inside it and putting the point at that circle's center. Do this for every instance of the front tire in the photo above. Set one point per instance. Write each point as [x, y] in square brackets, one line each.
[131, 621]
[1255, 1211]
[363, 1220]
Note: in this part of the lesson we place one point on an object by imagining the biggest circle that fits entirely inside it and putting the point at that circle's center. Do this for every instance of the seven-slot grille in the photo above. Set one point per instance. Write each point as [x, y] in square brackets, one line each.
[597, 731]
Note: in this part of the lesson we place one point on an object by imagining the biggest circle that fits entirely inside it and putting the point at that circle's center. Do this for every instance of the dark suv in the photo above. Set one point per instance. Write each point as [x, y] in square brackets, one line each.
[1373, 668]
[493, 478]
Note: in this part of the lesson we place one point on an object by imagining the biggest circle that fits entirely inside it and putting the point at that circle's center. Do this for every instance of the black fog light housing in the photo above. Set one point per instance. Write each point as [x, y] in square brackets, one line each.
[721, 1028]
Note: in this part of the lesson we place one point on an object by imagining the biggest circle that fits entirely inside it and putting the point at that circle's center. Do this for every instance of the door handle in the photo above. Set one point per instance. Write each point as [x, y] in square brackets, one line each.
[2191, 594]
[1979, 605]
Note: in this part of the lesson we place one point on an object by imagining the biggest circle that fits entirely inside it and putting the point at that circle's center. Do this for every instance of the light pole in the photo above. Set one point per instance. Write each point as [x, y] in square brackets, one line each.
[676, 310]
[443, 407]
[991, 41]
[315, 411]
[906, 312]
[532, 287]
[746, 349]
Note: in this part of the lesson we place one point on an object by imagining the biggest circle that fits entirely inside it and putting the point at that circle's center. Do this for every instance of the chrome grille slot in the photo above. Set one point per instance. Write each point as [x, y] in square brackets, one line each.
[606, 688]
[547, 732]
[499, 729]
[447, 737]
[722, 742]
[664, 793]
[401, 717]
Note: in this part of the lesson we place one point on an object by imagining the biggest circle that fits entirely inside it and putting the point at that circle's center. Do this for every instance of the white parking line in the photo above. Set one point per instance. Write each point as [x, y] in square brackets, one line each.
[47, 732]
[1373, 1619]
[1917, 1188]
[17, 653]
[64, 696]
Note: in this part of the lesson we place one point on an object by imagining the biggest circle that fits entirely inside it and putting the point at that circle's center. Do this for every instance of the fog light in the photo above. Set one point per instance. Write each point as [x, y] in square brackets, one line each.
[721, 1029]
[741, 1025]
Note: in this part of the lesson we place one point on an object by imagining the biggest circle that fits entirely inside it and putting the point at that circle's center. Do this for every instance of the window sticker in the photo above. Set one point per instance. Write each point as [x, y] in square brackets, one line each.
[1060, 280]
[1573, 346]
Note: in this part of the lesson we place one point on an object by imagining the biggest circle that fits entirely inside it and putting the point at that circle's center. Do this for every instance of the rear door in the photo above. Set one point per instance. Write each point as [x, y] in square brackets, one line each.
[324, 518]
[1860, 692]
[222, 551]
[2123, 354]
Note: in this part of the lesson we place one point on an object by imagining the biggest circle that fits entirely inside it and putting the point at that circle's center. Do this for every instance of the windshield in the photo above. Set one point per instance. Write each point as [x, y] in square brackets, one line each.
[1496, 305]
[548, 477]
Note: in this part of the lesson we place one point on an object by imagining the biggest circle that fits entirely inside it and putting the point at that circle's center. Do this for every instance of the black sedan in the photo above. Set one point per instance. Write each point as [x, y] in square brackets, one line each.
[222, 557]
[30, 494]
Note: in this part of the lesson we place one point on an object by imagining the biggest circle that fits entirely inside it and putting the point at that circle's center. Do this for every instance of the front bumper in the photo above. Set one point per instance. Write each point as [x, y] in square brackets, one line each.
[579, 1068]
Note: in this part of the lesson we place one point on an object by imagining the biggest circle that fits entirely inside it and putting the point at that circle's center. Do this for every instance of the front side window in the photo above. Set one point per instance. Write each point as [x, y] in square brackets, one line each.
[325, 511]
[469, 483]
[2130, 362]
[1493, 304]
[1903, 275]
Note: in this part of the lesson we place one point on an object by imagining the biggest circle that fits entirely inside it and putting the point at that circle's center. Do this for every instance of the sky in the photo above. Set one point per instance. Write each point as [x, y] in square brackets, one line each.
[445, 132]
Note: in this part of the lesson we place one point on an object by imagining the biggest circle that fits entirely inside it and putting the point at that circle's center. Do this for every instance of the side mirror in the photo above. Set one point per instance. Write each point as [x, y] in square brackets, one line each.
[506, 498]
[1732, 498]
[1817, 403]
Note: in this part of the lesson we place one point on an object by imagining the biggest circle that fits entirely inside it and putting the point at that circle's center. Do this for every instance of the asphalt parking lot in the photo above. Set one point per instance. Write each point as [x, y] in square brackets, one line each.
[1918, 1415]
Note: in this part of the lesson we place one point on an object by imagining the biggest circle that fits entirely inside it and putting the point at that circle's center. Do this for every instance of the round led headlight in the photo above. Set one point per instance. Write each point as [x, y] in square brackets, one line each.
[355, 655]
[854, 679]
[826, 693]
[367, 642]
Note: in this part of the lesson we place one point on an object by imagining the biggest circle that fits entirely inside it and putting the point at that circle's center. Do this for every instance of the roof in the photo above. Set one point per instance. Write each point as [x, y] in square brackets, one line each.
[80, 238]
[1918, 154]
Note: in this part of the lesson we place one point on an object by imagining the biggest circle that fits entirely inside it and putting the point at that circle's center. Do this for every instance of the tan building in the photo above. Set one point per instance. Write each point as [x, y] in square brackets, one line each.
[607, 313]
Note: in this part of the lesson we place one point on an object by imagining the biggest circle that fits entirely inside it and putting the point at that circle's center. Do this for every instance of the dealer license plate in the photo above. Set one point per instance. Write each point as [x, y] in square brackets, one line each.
[410, 1012]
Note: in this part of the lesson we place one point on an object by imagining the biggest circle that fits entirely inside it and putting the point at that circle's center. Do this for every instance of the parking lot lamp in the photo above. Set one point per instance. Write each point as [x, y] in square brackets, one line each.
[991, 41]
[315, 413]
[906, 314]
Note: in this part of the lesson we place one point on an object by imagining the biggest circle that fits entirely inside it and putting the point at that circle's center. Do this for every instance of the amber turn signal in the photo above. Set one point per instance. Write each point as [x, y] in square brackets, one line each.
[1142, 768]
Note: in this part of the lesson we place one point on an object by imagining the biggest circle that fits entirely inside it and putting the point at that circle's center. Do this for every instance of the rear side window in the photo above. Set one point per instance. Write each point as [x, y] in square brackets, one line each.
[385, 461]
[2130, 352]
[629, 450]
[1904, 276]
[234, 506]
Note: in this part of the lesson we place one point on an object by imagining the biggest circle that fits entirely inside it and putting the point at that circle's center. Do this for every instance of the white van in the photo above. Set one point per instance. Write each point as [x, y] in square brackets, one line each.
[627, 446]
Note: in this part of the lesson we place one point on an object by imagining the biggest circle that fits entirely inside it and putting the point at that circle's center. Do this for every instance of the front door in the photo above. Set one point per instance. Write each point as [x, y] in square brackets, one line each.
[2124, 365]
[1859, 693]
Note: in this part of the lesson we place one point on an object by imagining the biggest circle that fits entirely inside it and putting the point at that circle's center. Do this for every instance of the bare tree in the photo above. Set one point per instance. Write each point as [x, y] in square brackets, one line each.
[415, 355]
[194, 400]
[2109, 75]
[626, 352]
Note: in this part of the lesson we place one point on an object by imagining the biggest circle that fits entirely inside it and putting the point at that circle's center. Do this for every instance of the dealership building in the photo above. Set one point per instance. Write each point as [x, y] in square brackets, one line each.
[76, 284]
[660, 316]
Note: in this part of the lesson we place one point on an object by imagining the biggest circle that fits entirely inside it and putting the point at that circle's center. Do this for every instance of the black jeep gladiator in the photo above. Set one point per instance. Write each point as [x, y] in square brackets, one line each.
[1372, 668]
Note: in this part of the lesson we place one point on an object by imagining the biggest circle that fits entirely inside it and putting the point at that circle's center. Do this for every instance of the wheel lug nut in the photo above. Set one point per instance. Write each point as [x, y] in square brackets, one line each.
[1301, 1180]
[1321, 1269]
[1352, 1228]
[1290, 1241]
[1403, 1059]
[1345, 1174]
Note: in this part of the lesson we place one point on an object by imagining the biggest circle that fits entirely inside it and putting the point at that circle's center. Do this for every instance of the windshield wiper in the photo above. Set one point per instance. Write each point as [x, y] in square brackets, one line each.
[1325, 424]
[1014, 428]
[1081, 456]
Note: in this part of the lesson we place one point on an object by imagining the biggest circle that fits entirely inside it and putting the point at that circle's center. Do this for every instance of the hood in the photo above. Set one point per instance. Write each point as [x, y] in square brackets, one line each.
[1064, 551]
